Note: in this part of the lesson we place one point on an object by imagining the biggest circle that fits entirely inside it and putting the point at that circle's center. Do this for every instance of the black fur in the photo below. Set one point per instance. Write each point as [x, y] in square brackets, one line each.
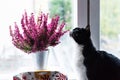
[100, 65]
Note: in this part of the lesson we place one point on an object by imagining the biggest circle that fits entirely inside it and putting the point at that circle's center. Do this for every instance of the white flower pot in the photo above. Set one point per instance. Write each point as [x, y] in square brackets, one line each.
[41, 59]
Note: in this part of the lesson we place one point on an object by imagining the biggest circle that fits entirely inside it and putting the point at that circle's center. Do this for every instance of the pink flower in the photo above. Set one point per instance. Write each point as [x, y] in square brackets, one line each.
[37, 35]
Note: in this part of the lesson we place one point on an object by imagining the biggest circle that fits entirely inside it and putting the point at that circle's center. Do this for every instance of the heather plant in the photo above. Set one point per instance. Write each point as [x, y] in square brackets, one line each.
[37, 35]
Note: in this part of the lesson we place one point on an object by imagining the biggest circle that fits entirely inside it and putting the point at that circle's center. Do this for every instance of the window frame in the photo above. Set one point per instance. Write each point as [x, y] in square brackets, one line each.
[94, 18]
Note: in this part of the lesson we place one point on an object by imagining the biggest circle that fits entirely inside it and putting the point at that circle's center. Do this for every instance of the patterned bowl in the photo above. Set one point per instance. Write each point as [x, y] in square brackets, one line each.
[40, 75]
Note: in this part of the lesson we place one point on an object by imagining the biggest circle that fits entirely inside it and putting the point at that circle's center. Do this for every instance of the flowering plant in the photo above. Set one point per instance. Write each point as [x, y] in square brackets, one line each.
[37, 35]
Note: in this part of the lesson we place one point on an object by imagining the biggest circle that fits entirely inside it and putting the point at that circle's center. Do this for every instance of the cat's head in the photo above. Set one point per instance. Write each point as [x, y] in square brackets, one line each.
[81, 35]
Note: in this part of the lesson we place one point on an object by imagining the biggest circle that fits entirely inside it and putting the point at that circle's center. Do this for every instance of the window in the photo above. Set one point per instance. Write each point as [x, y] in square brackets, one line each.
[110, 26]
[10, 57]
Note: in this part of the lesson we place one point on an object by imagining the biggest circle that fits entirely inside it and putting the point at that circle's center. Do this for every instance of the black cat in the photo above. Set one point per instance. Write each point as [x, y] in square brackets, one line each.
[99, 65]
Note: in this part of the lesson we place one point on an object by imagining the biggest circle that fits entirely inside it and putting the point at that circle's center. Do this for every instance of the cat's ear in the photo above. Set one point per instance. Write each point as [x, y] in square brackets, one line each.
[88, 29]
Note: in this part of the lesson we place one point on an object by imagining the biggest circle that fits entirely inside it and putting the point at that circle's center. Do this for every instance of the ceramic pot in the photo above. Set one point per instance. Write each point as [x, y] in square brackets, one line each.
[41, 59]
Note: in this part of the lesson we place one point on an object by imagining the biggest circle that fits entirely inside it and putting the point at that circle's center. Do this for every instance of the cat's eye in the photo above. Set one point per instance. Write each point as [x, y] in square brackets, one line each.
[76, 35]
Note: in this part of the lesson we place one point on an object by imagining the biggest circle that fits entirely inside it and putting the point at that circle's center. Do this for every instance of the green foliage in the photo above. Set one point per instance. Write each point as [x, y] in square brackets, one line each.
[110, 17]
[63, 9]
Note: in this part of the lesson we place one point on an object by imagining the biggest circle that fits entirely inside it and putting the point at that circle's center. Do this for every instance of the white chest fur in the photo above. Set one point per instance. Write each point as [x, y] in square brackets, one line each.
[78, 65]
